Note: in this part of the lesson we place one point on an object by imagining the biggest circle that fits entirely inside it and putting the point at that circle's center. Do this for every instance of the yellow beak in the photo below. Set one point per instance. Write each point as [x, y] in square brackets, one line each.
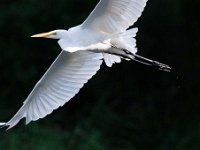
[42, 35]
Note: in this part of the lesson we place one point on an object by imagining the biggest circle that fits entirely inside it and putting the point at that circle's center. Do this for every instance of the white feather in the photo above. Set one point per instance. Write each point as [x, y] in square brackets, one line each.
[60, 83]
[114, 16]
[2, 123]
[111, 59]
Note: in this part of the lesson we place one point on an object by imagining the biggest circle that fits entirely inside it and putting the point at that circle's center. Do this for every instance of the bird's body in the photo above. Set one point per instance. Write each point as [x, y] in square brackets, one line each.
[77, 42]
[98, 41]
[102, 36]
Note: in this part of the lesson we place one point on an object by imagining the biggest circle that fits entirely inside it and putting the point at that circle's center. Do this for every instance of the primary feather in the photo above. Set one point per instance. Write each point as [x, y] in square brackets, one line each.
[114, 16]
[60, 83]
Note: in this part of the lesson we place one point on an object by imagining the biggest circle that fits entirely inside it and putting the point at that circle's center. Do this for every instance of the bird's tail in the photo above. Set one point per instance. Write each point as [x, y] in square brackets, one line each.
[125, 40]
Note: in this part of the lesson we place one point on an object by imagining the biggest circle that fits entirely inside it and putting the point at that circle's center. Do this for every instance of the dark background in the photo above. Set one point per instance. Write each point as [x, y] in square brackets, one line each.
[127, 107]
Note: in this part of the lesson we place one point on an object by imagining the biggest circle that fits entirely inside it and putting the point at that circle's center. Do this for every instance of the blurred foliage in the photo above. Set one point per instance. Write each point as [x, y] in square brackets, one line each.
[126, 107]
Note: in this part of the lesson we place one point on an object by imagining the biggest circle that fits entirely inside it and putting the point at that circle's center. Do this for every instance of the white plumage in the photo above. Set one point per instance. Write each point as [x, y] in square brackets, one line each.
[103, 35]
[60, 83]
[114, 16]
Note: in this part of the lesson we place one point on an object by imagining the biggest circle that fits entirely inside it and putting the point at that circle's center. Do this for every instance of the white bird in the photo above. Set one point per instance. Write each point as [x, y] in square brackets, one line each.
[104, 35]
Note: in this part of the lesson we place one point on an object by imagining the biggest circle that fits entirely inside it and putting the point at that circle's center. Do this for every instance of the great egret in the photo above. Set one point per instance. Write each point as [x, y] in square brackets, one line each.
[104, 35]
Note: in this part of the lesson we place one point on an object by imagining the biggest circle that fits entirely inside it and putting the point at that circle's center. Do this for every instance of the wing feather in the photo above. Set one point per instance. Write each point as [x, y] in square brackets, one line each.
[60, 83]
[113, 16]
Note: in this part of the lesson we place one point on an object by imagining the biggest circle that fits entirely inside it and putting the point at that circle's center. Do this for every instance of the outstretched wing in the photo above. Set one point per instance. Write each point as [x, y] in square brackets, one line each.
[114, 16]
[60, 83]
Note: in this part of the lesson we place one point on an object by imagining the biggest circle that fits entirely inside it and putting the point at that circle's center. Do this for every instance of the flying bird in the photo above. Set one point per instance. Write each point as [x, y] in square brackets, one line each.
[104, 36]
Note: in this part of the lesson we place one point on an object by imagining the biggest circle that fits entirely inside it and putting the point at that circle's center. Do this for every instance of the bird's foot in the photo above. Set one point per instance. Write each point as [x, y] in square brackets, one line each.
[161, 66]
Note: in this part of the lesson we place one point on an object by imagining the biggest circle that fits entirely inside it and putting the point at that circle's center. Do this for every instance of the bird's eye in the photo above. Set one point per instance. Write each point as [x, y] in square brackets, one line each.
[54, 33]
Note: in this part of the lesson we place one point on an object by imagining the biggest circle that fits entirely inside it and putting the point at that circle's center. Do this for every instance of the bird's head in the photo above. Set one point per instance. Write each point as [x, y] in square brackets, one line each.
[56, 34]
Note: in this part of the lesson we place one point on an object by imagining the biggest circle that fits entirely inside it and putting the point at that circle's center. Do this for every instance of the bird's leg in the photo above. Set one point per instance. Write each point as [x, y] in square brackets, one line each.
[115, 51]
[153, 63]
[128, 55]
